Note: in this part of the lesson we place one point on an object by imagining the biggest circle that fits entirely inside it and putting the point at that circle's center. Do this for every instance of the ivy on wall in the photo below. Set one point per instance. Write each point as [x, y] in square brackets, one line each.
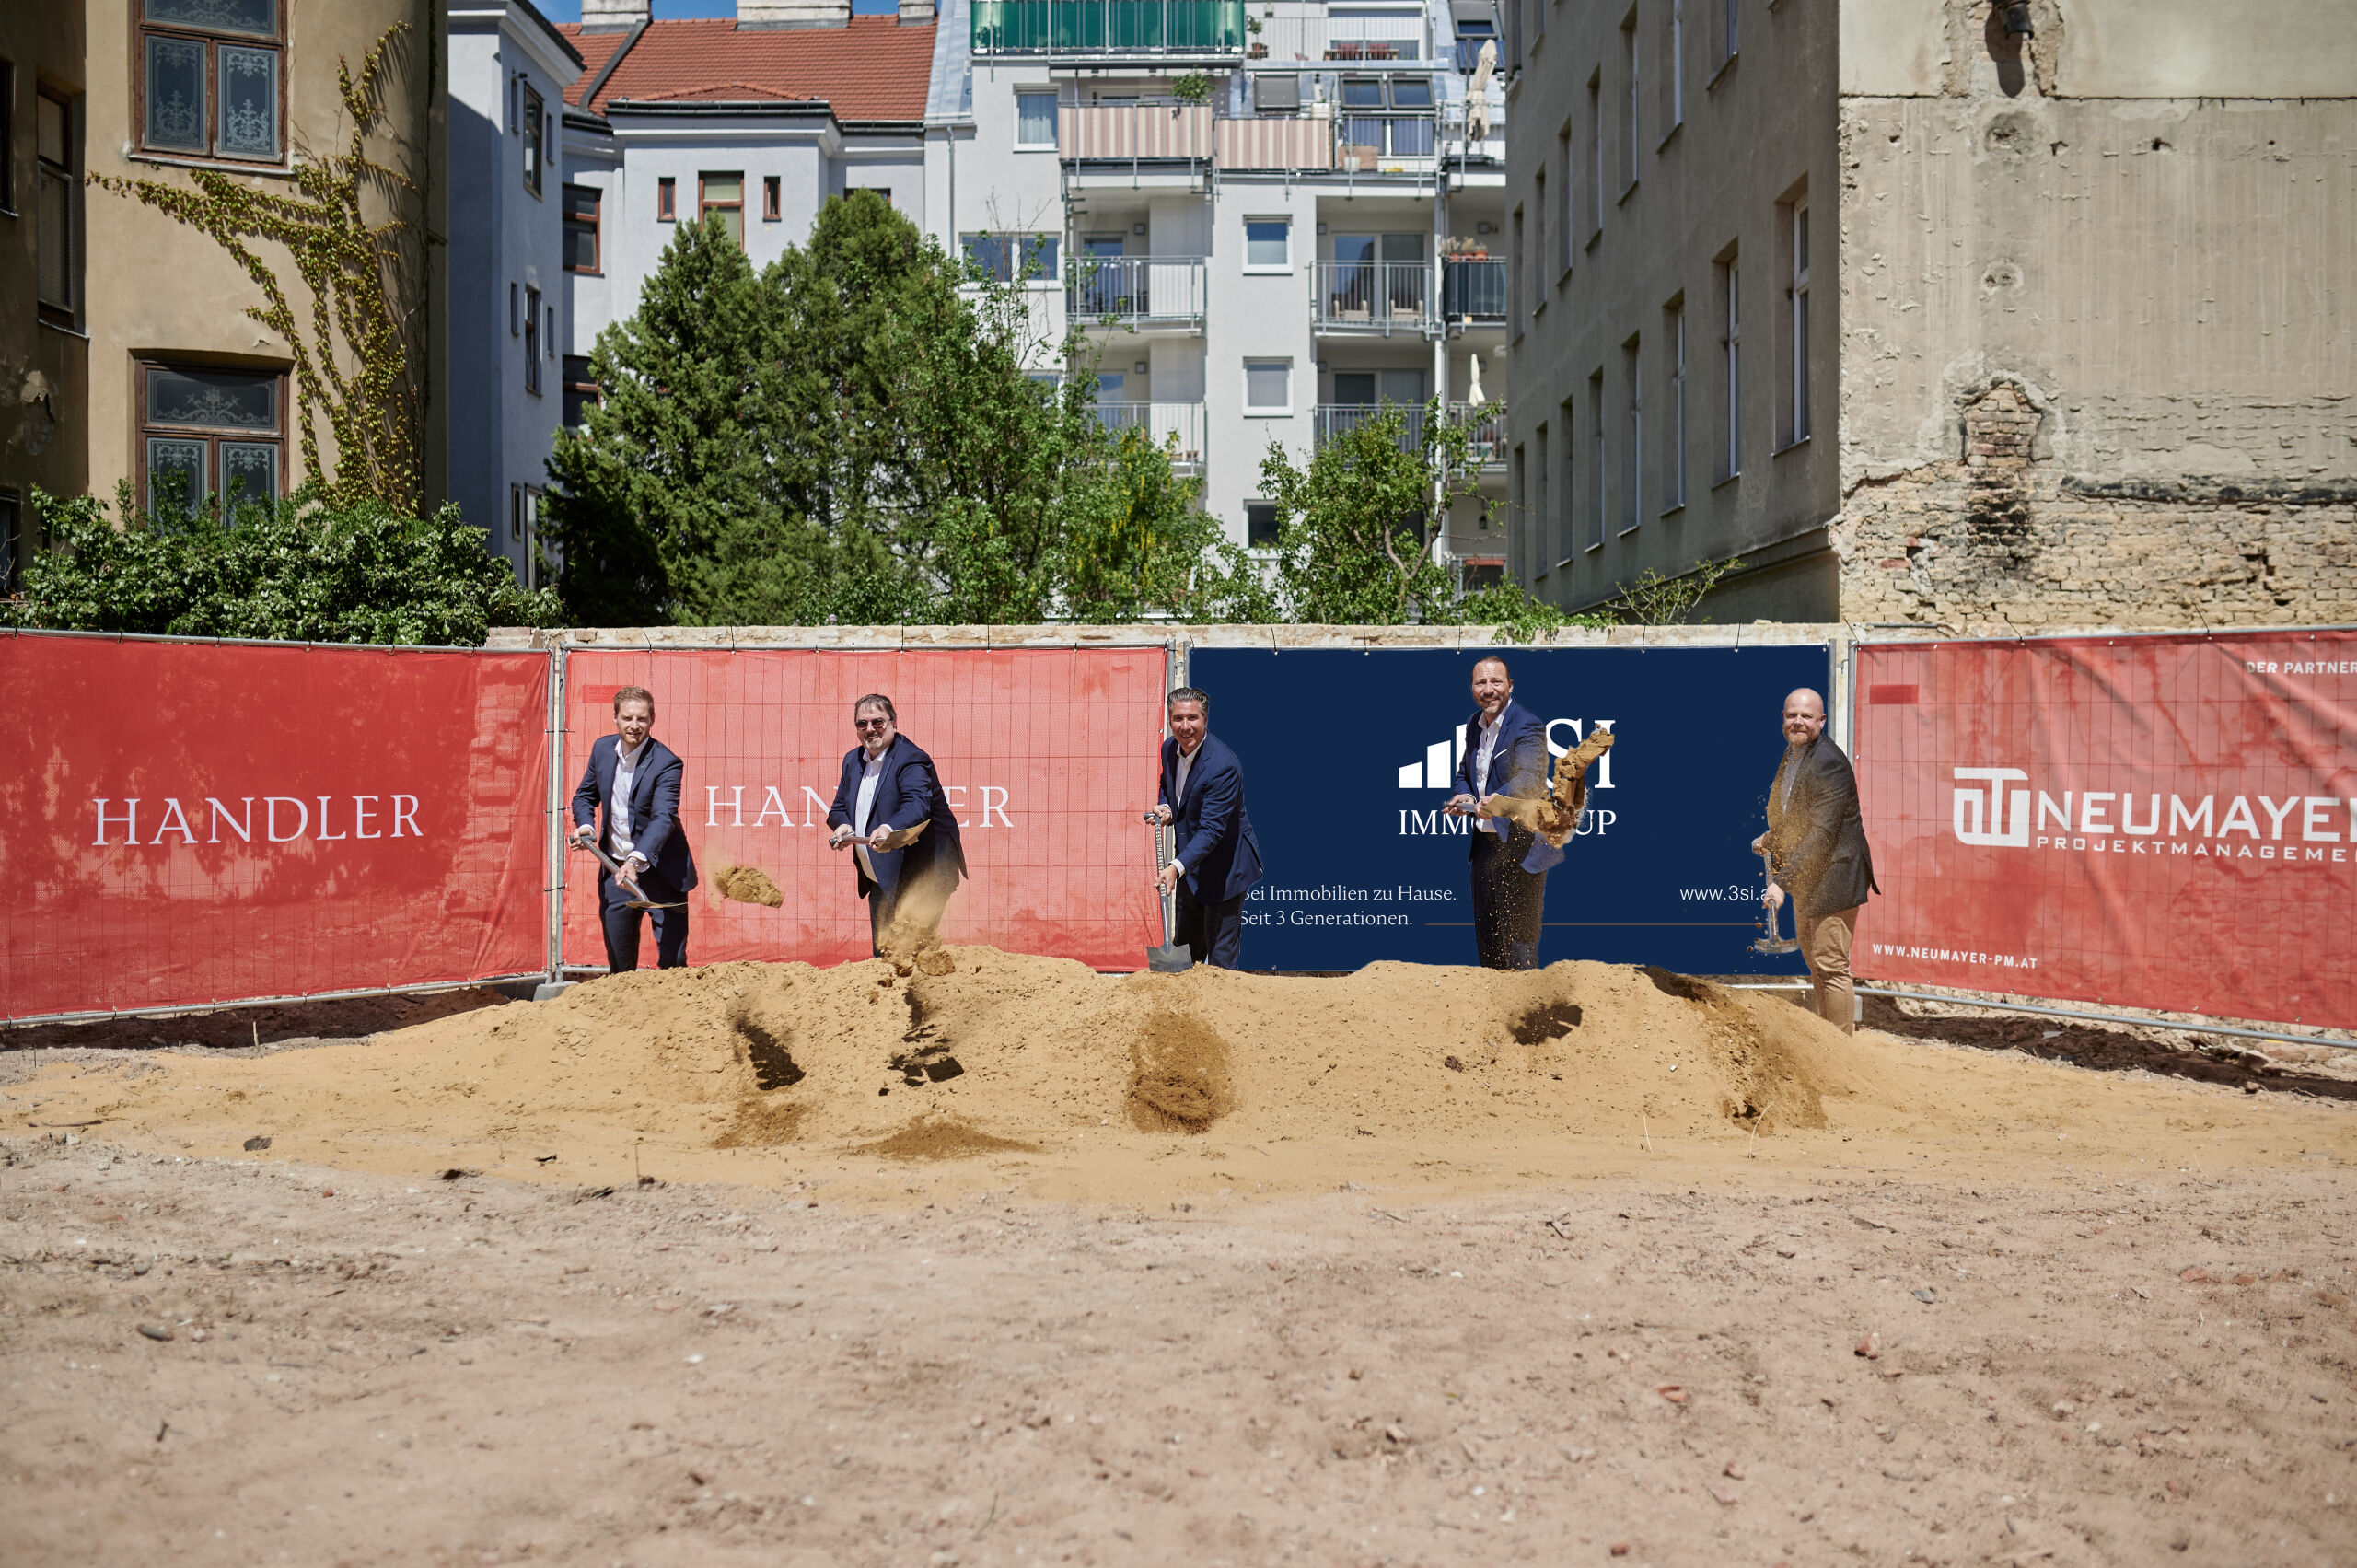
[353, 232]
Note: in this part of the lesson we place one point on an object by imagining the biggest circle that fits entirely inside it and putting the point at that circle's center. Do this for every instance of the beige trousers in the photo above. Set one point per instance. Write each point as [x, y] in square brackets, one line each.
[1825, 944]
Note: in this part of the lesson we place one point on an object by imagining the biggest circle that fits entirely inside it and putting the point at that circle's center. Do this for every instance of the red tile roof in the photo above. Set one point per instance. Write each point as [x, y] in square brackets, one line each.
[876, 68]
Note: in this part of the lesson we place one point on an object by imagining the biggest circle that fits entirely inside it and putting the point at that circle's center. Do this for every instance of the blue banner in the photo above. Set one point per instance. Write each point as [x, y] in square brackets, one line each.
[1347, 758]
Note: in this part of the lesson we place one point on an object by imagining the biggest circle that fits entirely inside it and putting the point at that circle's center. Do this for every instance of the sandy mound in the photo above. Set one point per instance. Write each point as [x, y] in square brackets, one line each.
[1080, 1083]
[748, 885]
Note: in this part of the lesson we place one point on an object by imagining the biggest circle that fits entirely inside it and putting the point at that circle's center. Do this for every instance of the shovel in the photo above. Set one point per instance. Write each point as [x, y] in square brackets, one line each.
[1771, 942]
[614, 867]
[1171, 958]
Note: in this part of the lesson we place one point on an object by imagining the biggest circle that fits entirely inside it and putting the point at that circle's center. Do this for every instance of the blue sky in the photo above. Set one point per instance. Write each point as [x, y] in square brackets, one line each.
[570, 10]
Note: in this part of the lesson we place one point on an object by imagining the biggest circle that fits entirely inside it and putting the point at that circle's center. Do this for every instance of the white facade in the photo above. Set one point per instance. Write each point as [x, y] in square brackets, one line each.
[505, 332]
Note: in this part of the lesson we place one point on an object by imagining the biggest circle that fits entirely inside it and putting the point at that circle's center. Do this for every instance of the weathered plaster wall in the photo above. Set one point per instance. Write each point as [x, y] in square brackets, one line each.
[2098, 363]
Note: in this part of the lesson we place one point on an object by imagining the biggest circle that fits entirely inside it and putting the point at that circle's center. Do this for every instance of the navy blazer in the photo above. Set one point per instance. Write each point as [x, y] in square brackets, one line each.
[908, 792]
[1215, 840]
[654, 806]
[1518, 767]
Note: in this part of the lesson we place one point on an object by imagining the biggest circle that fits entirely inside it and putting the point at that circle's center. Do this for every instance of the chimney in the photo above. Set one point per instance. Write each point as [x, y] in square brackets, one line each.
[793, 13]
[607, 15]
[916, 10]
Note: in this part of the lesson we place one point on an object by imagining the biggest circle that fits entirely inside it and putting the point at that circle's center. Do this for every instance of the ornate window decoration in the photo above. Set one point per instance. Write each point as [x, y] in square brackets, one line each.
[210, 76]
[208, 433]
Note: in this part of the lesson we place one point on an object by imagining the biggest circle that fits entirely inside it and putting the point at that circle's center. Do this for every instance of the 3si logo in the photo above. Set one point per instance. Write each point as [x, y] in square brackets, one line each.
[1438, 770]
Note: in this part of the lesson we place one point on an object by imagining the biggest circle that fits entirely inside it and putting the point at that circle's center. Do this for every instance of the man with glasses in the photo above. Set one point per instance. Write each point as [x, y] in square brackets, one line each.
[891, 812]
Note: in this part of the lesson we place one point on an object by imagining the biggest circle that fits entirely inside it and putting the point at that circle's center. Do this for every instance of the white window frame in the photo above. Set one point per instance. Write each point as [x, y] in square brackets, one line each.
[1050, 145]
[1260, 411]
[1265, 269]
[1798, 300]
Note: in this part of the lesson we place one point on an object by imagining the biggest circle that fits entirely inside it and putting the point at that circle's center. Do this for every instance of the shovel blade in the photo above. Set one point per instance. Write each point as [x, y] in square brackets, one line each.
[1172, 959]
[1766, 944]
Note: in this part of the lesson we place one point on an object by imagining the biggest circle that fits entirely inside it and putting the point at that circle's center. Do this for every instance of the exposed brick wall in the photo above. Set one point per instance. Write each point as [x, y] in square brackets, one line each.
[1999, 539]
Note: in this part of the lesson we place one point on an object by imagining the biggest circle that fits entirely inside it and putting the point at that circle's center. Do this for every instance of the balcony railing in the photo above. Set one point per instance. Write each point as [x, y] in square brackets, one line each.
[1277, 141]
[1179, 426]
[1485, 432]
[1473, 291]
[1290, 38]
[1335, 420]
[1108, 27]
[1139, 291]
[1371, 297]
[1373, 140]
[1130, 132]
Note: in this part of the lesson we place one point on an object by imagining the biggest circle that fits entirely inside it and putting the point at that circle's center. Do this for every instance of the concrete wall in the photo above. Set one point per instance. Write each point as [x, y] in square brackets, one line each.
[1757, 133]
[44, 365]
[157, 288]
[2097, 338]
[502, 238]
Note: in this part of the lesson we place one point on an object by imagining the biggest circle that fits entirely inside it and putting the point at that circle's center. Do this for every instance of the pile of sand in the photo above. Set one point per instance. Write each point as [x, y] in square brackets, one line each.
[1081, 1082]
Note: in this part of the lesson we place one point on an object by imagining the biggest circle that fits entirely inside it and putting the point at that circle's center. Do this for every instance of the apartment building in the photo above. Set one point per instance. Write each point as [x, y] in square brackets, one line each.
[1269, 219]
[508, 71]
[1984, 315]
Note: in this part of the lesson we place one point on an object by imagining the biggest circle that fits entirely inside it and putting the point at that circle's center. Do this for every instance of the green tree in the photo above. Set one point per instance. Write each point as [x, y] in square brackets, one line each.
[304, 570]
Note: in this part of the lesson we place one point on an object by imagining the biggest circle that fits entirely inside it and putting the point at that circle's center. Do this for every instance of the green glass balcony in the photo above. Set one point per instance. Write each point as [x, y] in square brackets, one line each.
[1108, 27]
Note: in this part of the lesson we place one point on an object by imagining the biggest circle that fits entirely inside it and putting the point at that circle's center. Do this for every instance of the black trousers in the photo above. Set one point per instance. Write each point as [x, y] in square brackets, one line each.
[1212, 933]
[882, 906]
[620, 921]
[1507, 903]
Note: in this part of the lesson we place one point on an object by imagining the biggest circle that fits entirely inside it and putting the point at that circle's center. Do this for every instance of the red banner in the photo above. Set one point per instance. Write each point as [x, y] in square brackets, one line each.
[198, 822]
[1048, 756]
[2162, 822]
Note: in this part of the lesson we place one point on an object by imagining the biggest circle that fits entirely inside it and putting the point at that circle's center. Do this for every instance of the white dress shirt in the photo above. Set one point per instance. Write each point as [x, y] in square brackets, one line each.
[863, 809]
[618, 835]
[1482, 758]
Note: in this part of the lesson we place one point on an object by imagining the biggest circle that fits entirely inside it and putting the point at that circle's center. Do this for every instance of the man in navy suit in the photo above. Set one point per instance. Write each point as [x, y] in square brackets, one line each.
[1506, 753]
[1217, 859]
[636, 779]
[888, 788]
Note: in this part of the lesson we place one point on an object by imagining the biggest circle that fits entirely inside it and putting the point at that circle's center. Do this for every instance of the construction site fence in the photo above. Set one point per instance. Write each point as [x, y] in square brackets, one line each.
[204, 823]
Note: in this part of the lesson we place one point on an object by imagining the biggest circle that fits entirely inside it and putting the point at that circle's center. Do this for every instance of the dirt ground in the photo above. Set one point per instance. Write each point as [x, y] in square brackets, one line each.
[1210, 1268]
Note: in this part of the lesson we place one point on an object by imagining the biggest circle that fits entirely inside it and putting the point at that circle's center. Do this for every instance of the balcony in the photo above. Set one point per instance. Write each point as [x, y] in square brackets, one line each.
[1205, 29]
[1178, 426]
[1383, 142]
[1276, 141]
[1144, 292]
[1285, 40]
[1486, 435]
[1334, 420]
[1380, 297]
[1132, 133]
[1473, 292]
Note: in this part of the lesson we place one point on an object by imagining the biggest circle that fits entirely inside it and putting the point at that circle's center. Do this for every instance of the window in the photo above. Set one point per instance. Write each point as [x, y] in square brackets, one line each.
[1518, 529]
[1673, 451]
[1013, 258]
[532, 339]
[1730, 367]
[1412, 92]
[1538, 250]
[1268, 245]
[208, 78]
[515, 310]
[56, 209]
[721, 198]
[1630, 131]
[1730, 28]
[1673, 67]
[1566, 527]
[1596, 148]
[11, 549]
[1524, 280]
[8, 137]
[535, 130]
[1633, 375]
[580, 391]
[1797, 421]
[524, 532]
[1541, 511]
[1571, 214]
[1598, 494]
[667, 200]
[1268, 386]
[206, 432]
[1035, 119]
[772, 201]
[581, 208]
[1260, 524]
[1278, 95]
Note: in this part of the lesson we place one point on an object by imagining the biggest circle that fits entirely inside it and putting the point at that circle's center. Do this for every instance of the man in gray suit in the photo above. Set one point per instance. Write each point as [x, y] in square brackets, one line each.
[1816, 845]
